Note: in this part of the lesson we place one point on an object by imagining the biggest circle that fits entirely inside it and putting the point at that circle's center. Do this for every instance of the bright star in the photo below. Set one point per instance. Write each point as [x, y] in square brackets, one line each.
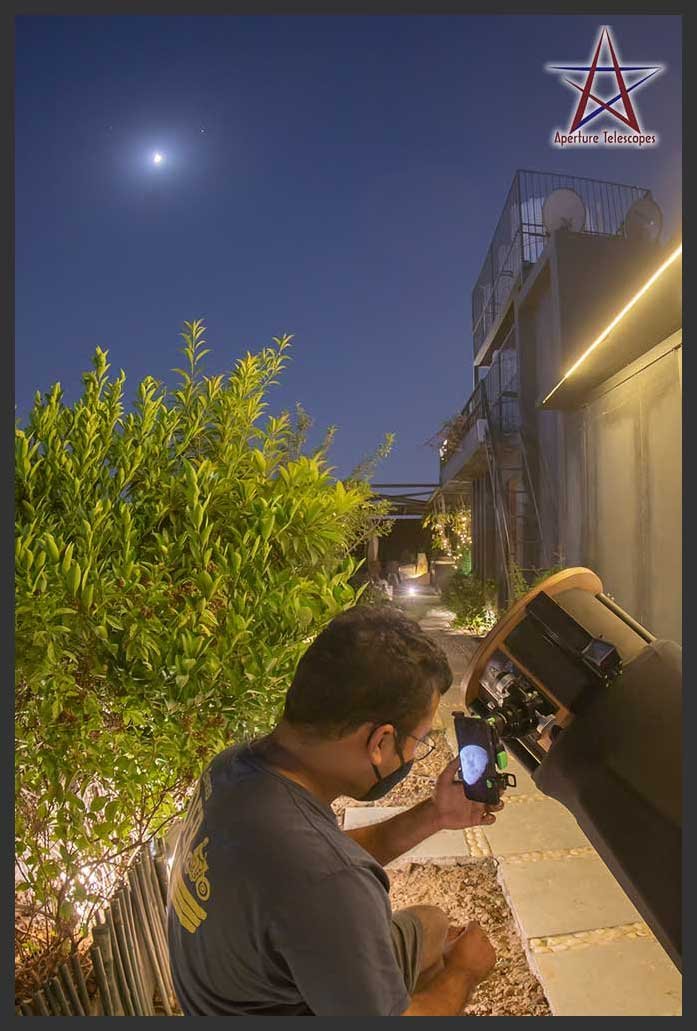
[157, 158]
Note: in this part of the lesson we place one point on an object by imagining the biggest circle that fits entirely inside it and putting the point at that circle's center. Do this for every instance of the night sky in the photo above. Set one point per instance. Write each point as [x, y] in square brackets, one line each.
[334, 177]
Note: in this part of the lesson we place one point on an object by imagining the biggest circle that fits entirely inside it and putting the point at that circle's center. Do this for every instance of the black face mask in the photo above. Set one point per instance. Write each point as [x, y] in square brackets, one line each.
[384, 785]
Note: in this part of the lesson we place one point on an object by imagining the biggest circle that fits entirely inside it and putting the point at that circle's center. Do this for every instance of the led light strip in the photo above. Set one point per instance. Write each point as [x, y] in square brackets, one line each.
[608, 329]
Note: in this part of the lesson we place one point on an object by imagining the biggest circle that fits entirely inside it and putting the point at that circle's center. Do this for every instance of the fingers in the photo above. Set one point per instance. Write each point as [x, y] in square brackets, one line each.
[488, 818]
[451, 771]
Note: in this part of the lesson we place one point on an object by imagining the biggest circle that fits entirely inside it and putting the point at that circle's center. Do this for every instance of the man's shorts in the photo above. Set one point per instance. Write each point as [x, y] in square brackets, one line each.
[407, 938]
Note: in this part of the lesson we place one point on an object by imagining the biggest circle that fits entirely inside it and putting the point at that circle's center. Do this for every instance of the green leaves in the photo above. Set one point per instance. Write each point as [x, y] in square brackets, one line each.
[172, 564]
[73, 577]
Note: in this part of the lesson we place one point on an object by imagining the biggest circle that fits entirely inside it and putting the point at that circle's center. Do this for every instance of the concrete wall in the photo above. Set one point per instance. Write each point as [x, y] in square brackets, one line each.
[623, 490]
[539, 357]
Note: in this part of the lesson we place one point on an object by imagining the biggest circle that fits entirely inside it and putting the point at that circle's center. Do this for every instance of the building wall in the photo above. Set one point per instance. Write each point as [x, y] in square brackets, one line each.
[484, 539]
[623, 490]
[537, 319]
[607, 477]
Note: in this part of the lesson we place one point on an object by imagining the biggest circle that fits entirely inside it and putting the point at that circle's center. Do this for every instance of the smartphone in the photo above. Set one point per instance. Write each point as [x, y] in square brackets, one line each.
[482, 758]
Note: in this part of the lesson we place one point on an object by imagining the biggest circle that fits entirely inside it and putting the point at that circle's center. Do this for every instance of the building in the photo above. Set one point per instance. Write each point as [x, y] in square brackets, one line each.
[571, 437]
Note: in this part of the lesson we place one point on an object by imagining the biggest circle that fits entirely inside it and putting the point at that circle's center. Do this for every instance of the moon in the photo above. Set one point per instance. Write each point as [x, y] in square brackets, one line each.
[473, 760]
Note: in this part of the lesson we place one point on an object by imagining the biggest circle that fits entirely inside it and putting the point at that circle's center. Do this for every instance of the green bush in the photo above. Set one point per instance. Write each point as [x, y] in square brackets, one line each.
[523, 581]
[472, 600]
[172, 564]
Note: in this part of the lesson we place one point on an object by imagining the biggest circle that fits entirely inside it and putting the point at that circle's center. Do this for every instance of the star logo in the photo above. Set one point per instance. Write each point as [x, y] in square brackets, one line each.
[615, 81]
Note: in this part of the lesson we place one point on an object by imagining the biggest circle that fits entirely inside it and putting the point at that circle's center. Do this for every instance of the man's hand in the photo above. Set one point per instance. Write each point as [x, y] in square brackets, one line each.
[471, 951]
[469, 958]
[455, 811]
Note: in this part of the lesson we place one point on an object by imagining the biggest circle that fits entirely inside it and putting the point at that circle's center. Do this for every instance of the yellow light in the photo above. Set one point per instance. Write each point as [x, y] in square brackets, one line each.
[608, 329]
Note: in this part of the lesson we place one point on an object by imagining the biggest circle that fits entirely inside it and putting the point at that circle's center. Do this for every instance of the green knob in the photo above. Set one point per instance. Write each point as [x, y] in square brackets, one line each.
[489, 783]
[502, 760]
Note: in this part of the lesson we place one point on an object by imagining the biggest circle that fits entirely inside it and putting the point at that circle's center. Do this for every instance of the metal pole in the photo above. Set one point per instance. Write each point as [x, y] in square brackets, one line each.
[626, 618]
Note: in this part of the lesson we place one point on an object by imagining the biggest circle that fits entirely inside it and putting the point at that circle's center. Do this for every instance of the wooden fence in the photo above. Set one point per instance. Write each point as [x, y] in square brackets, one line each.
[127, 971]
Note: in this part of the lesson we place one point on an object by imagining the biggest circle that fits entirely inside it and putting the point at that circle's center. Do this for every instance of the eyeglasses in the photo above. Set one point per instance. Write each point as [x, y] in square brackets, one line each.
[424, 746]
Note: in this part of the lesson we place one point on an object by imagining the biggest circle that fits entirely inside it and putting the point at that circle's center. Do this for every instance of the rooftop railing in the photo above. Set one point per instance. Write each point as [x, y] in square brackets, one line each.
[520, 235]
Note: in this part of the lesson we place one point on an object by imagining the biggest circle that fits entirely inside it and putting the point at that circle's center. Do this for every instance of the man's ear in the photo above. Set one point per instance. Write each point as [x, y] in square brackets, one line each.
[377, 741]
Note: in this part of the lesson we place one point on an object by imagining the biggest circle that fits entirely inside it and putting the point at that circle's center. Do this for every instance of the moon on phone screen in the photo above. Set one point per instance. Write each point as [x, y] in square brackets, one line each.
[473, 760]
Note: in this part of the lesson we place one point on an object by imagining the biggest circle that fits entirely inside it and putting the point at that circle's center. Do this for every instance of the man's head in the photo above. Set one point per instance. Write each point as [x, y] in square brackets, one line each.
[368, 686]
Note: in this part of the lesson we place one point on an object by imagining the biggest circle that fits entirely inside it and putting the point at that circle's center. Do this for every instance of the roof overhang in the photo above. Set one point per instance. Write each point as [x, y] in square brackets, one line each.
[650, 312]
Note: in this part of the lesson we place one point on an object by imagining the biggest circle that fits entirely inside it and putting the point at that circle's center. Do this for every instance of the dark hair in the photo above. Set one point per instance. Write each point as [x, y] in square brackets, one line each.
[371, 664]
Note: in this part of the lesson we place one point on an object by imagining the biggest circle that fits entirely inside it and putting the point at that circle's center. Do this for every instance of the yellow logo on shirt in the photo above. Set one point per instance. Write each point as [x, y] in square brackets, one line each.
[196, 868]
[190, 914]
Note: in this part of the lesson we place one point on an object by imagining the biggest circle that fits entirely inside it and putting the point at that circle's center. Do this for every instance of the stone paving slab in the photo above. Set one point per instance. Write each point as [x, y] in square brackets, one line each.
[534, 823]
[445, 845]
[563, 893]
[624, 978]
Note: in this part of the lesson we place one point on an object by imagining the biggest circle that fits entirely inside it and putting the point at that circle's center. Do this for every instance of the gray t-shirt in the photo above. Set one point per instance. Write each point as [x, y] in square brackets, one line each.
[273, 910]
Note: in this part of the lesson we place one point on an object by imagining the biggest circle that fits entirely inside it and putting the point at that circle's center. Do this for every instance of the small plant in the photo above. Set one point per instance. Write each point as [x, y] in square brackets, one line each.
[519, 585]
[522, 584]
[473, 601]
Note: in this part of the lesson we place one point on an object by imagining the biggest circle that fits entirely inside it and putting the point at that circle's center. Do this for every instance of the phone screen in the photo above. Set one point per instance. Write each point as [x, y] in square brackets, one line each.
[477, 759]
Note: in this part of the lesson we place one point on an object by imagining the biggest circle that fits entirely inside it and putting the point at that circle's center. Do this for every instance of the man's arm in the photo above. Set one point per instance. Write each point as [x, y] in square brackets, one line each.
[448, 809]
[391, 838]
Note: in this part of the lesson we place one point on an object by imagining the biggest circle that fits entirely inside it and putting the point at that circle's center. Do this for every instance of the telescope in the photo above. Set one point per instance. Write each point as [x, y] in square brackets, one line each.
[591, 703]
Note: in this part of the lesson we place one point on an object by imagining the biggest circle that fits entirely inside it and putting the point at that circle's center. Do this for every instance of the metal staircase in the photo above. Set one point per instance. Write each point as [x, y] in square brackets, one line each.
[523, 527]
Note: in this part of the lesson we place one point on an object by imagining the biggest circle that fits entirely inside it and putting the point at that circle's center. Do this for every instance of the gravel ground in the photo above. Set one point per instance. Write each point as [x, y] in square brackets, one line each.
[472, 892]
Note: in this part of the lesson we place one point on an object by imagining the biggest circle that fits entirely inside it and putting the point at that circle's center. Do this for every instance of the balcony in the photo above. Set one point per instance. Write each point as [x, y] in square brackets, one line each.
[494, 404]
[520, 238]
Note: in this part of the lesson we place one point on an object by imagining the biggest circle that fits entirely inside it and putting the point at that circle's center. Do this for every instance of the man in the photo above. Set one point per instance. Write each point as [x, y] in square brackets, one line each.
[273, 909]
